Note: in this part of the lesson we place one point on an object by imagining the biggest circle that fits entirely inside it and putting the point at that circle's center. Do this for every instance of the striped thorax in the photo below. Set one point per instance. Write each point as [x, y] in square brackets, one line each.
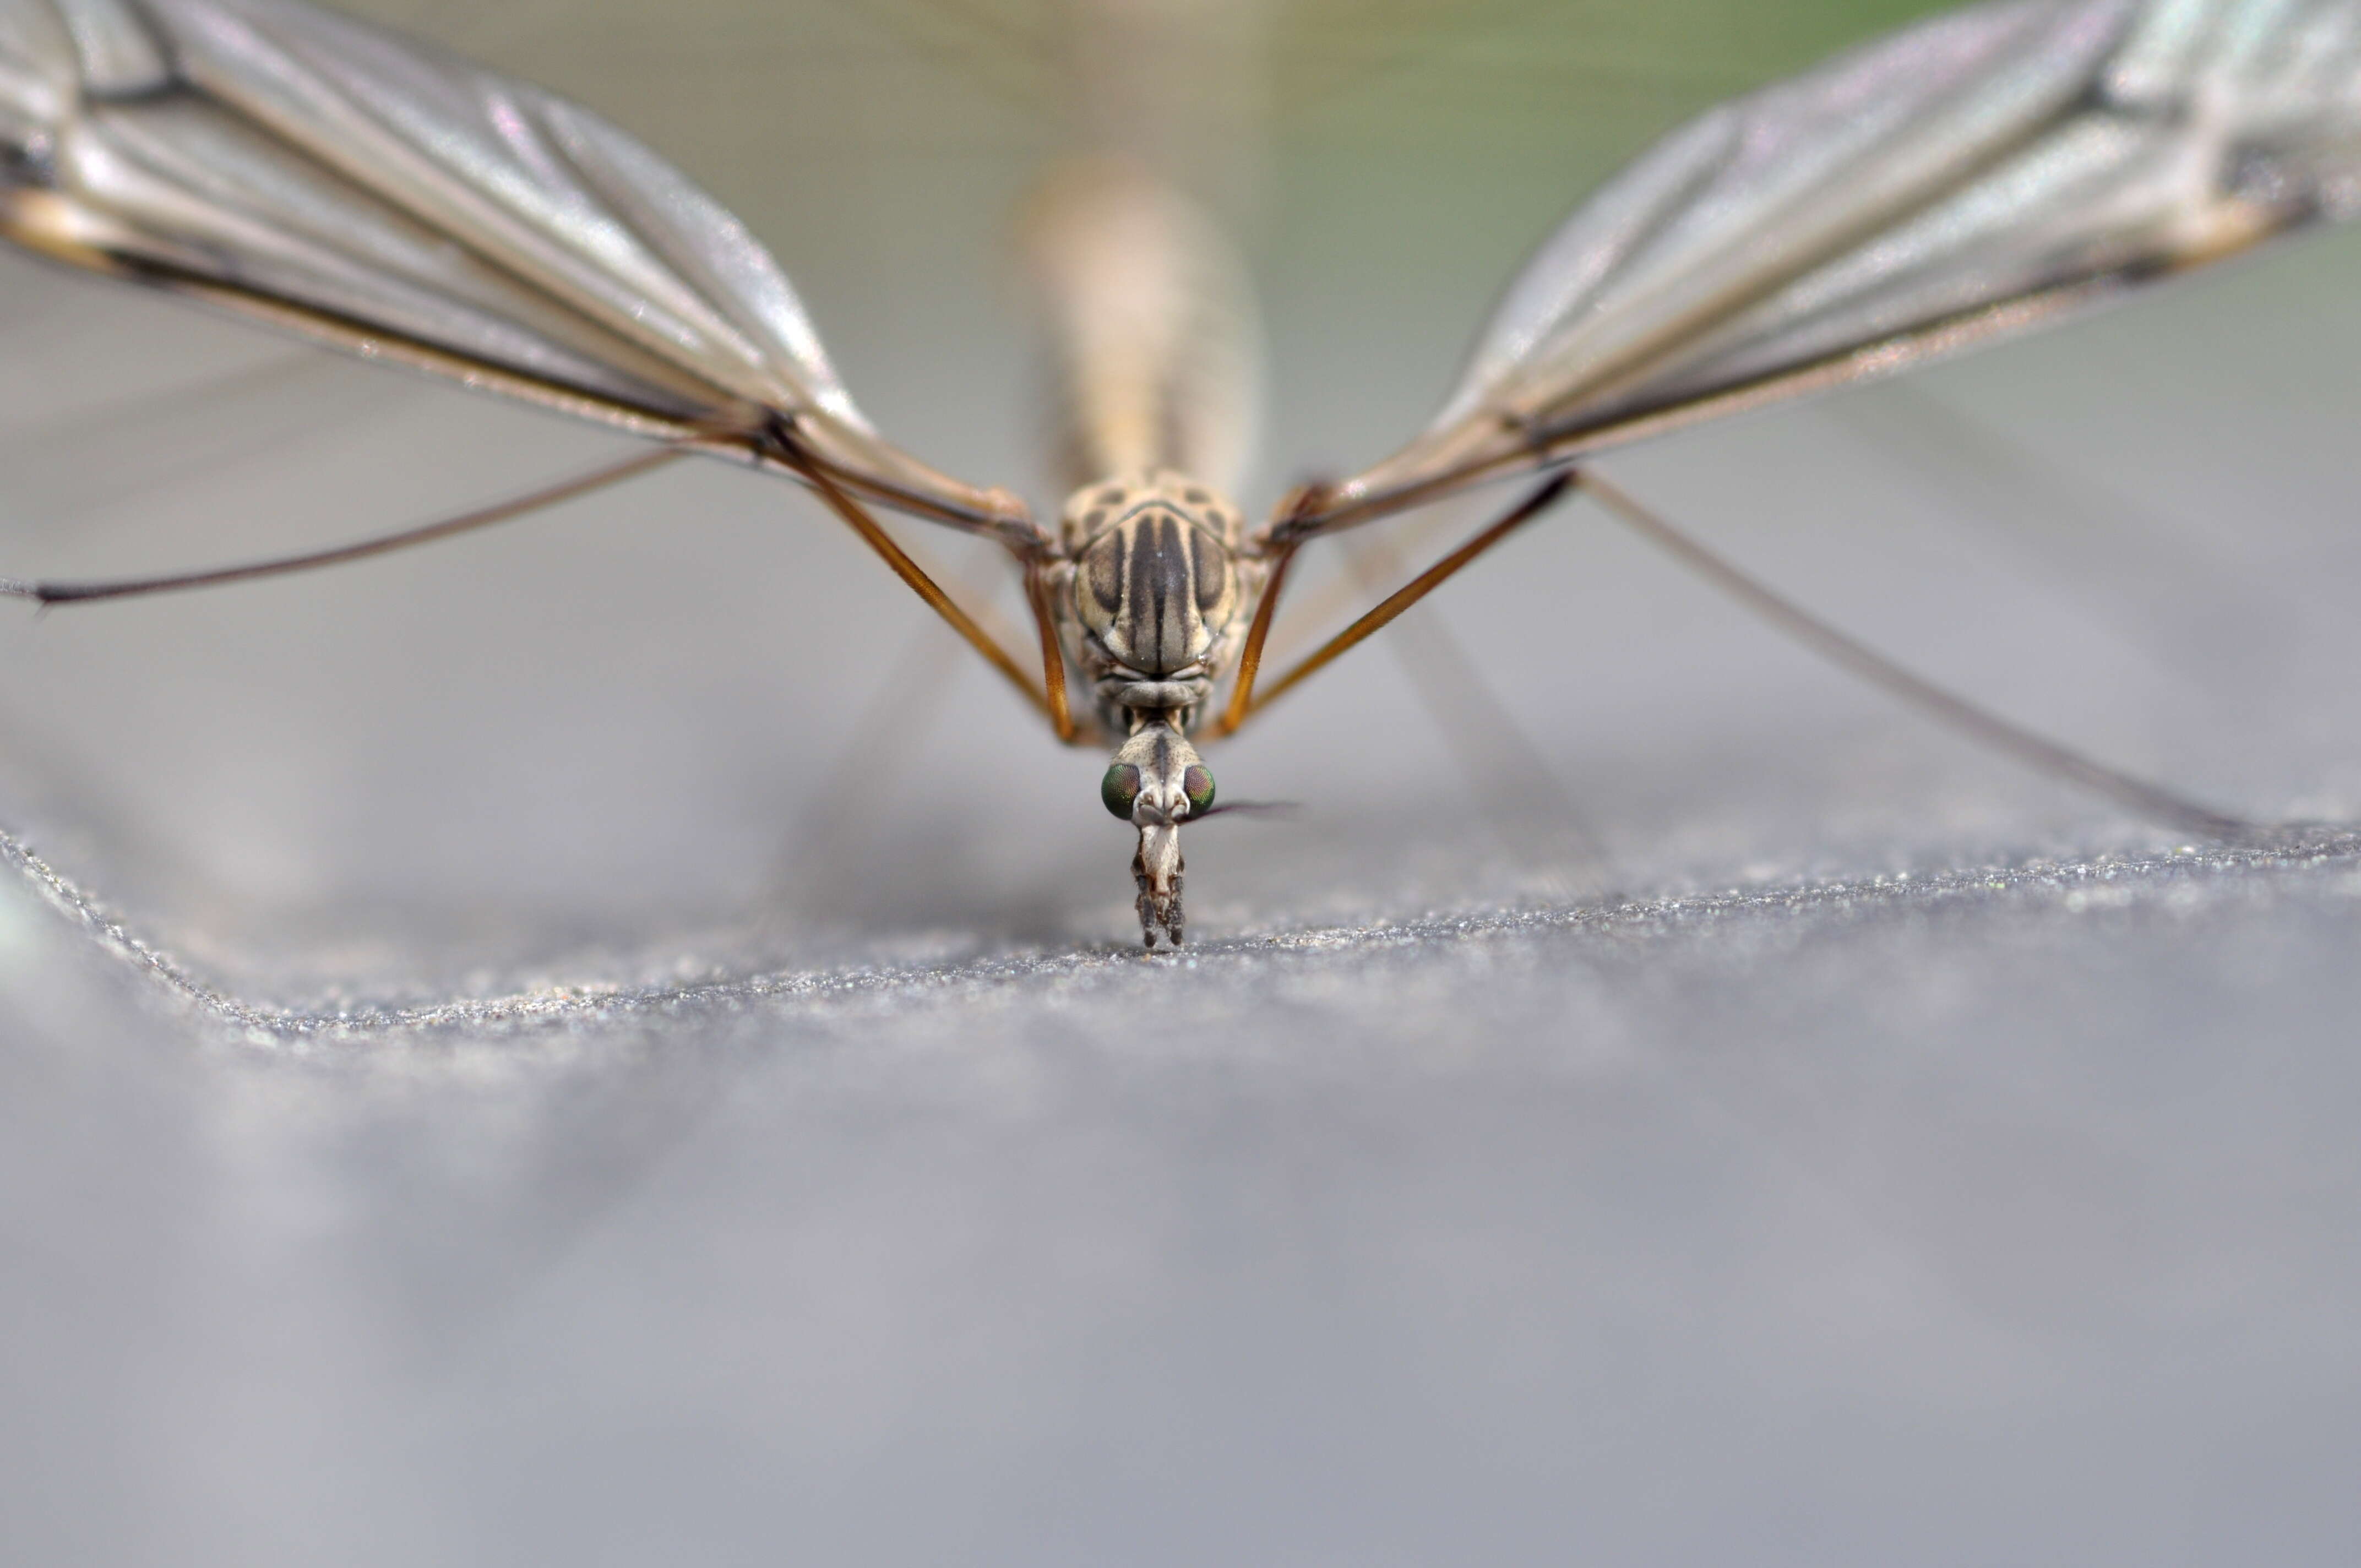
[1150, 594]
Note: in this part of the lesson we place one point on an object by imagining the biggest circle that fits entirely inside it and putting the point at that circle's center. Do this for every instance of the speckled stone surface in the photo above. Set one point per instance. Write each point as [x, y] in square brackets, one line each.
[1998, 1214]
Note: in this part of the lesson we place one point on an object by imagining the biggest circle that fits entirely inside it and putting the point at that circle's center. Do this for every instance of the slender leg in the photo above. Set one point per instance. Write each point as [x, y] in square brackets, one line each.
[50, 593]
[1372, 563]
[55, 592]
[1243, 701]
[912, 573]
[1250, 660]
[1053, 658]
[1258, 633]
[1981, 724]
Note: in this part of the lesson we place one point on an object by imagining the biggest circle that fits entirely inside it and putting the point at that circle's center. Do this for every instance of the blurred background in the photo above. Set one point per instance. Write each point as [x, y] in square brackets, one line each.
[2011, 1225]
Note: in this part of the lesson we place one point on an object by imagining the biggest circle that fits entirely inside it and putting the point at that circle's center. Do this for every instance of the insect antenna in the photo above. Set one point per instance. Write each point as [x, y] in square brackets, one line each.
[1246, 808]
[68, 592]
[1977, 723]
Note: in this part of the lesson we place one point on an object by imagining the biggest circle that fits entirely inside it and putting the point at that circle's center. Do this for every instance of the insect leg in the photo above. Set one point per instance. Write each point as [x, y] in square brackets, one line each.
[1258, 633]
[1979, 724]
[911, 573]
[50, 593]
[1244, 702]
[1053, 658]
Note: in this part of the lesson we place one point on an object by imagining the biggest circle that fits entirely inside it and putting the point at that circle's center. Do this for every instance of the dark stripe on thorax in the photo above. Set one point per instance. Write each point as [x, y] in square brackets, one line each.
[1160, 587]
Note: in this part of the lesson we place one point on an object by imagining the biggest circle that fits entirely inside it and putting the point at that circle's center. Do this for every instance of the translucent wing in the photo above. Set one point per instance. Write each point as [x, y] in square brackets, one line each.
[1967, 176]
[312, 169]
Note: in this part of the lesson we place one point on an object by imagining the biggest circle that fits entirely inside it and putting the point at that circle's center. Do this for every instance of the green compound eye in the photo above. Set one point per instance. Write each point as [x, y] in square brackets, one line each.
[1119, 789]
[1197, 783]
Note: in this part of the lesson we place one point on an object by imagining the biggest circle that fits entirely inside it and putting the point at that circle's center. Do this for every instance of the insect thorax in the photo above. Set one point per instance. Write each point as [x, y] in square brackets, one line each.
[1149, 595]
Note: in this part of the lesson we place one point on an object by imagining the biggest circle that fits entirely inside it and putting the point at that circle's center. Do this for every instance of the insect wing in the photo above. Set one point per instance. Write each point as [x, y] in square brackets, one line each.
[1967, 176]
[333, 177]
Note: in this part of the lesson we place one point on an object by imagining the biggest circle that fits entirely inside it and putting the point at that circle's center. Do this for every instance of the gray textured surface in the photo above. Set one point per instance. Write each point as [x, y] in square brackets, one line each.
[1961, 1220]
[1913, 1163]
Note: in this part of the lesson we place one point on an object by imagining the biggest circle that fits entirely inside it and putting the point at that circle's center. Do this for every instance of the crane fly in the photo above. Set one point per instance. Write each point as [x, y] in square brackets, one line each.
[1970, 176]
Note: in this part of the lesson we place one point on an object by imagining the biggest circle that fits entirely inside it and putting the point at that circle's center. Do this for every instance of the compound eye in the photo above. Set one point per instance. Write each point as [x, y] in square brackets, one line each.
[1197, 783]
[1119, 789]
